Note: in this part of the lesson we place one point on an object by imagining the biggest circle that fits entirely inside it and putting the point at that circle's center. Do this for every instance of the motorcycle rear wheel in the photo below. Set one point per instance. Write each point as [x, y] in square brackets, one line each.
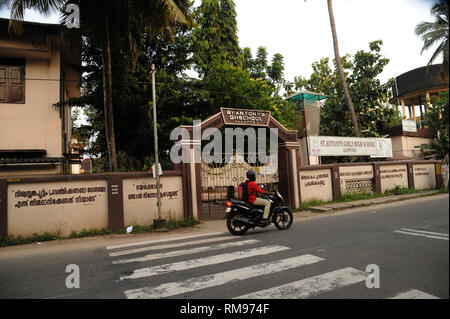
[283, 219]
[234, 226]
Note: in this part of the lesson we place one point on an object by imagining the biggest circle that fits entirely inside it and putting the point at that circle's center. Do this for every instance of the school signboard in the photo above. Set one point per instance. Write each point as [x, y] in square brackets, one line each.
[341, 146]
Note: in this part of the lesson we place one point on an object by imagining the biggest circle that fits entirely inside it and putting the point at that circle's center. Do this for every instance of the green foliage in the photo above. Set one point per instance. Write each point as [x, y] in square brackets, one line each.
[437, 118]
[215, 39]
[305, 205]
[229, 77]
[189, 222]
[38, 238]
[211, 47]
[398, 190]
[231, 86]
[132, 95]
[436, 33]
[18, 7]
[275, 72]
[260, 64]
[349, 197]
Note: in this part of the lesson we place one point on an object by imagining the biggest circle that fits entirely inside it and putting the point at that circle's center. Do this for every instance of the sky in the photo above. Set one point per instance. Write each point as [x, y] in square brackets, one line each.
[300, 30]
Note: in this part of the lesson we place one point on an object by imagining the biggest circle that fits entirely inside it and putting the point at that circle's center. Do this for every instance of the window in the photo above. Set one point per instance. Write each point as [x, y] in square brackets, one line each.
[12, 82]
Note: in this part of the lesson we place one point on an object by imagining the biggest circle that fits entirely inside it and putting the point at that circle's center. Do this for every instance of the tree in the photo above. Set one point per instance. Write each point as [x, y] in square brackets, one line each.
[127, 18]
[18, 7]
[437, 118]
[259, 70]
[247, 59]
[132, 95]
[276, 72]
[228, 34]
[180, 99]
[348, 99]
[214, 37]
[436, 32]
[130, 19]
[370, 95]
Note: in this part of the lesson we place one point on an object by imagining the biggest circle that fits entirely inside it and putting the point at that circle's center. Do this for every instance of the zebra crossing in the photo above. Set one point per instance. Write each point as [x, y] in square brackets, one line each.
[244, 248]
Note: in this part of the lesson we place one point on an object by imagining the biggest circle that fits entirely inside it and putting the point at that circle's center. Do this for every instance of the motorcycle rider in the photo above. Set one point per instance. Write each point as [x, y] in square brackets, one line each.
[253, 189]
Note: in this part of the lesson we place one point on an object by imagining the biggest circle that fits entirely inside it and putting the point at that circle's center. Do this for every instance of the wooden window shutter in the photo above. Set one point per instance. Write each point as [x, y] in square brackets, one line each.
[16, 93]
[3, 83]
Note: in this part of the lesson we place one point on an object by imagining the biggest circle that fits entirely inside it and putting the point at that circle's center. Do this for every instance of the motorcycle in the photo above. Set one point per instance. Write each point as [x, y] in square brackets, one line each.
[242, 216]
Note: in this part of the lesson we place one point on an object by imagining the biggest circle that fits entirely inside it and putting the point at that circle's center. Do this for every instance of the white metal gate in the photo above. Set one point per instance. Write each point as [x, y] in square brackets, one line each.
[220, 180]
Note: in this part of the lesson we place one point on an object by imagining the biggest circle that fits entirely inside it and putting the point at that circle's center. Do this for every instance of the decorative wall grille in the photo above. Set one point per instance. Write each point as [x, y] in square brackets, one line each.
[359, 186]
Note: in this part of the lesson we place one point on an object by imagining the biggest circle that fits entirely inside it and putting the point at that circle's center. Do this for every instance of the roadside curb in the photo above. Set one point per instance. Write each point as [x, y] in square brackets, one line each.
[206, 227]
[327, 208]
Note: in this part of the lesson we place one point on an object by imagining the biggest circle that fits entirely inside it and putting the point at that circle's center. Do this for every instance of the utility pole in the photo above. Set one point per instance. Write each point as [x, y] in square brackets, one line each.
[157, 223]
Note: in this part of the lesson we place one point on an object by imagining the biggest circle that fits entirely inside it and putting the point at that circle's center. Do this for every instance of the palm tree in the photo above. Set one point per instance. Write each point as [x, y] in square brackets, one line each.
[436, 32]
[348, 99]
[18, 7]
[154, 17]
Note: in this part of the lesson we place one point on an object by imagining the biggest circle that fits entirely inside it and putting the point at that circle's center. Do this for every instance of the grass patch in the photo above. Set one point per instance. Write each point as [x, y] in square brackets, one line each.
[310, 203]
[19, 240]
[402, 190]
[351, 197]
[35, 238]
[189, 222]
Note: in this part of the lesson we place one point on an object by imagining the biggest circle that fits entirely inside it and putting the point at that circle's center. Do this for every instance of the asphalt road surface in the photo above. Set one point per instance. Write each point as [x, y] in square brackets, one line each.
[398, 250]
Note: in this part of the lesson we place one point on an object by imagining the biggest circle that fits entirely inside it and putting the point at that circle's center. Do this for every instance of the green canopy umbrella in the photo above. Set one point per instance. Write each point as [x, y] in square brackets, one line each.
[306, 95]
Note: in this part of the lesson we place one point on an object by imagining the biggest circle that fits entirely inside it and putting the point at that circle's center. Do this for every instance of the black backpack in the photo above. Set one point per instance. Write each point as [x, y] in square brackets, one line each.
[243, 191]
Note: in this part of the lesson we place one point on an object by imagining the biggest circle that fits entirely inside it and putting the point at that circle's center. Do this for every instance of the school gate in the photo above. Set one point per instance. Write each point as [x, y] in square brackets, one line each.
[210, 184]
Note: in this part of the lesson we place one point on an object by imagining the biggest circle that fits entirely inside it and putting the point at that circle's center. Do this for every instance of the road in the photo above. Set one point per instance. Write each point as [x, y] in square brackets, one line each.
[325, 257]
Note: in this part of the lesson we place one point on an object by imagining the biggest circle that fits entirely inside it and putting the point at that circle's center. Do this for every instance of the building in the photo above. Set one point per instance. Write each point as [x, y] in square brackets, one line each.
[37, 69]
[413, 92]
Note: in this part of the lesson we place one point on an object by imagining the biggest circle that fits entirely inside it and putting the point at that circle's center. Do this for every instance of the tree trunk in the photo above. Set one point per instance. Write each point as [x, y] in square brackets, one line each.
[107, 98]
[348, 99]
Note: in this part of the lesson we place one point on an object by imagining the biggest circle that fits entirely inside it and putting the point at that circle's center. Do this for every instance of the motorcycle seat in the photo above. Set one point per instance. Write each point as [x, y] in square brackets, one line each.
[247, 205]
[242, 203]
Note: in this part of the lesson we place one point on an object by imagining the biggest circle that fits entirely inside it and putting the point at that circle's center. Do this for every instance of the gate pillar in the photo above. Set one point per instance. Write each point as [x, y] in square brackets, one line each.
[191, 180]
[288, 163]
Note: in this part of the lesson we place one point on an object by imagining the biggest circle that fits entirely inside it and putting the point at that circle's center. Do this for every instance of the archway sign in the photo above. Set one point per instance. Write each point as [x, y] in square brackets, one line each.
[288, 155]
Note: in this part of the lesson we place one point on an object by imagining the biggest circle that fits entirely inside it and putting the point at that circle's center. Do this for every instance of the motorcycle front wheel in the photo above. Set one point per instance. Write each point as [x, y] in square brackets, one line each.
[283, 219]
[235, 226]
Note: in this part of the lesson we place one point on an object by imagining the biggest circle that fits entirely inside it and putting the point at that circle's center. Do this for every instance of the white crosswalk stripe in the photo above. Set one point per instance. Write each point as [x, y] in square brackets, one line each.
[414, 294]
[312, 286]
[168, 246]
[182, 252]
[222, 278]
[206, 261]
[422, 234]
[425, 232]
[163, 240]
